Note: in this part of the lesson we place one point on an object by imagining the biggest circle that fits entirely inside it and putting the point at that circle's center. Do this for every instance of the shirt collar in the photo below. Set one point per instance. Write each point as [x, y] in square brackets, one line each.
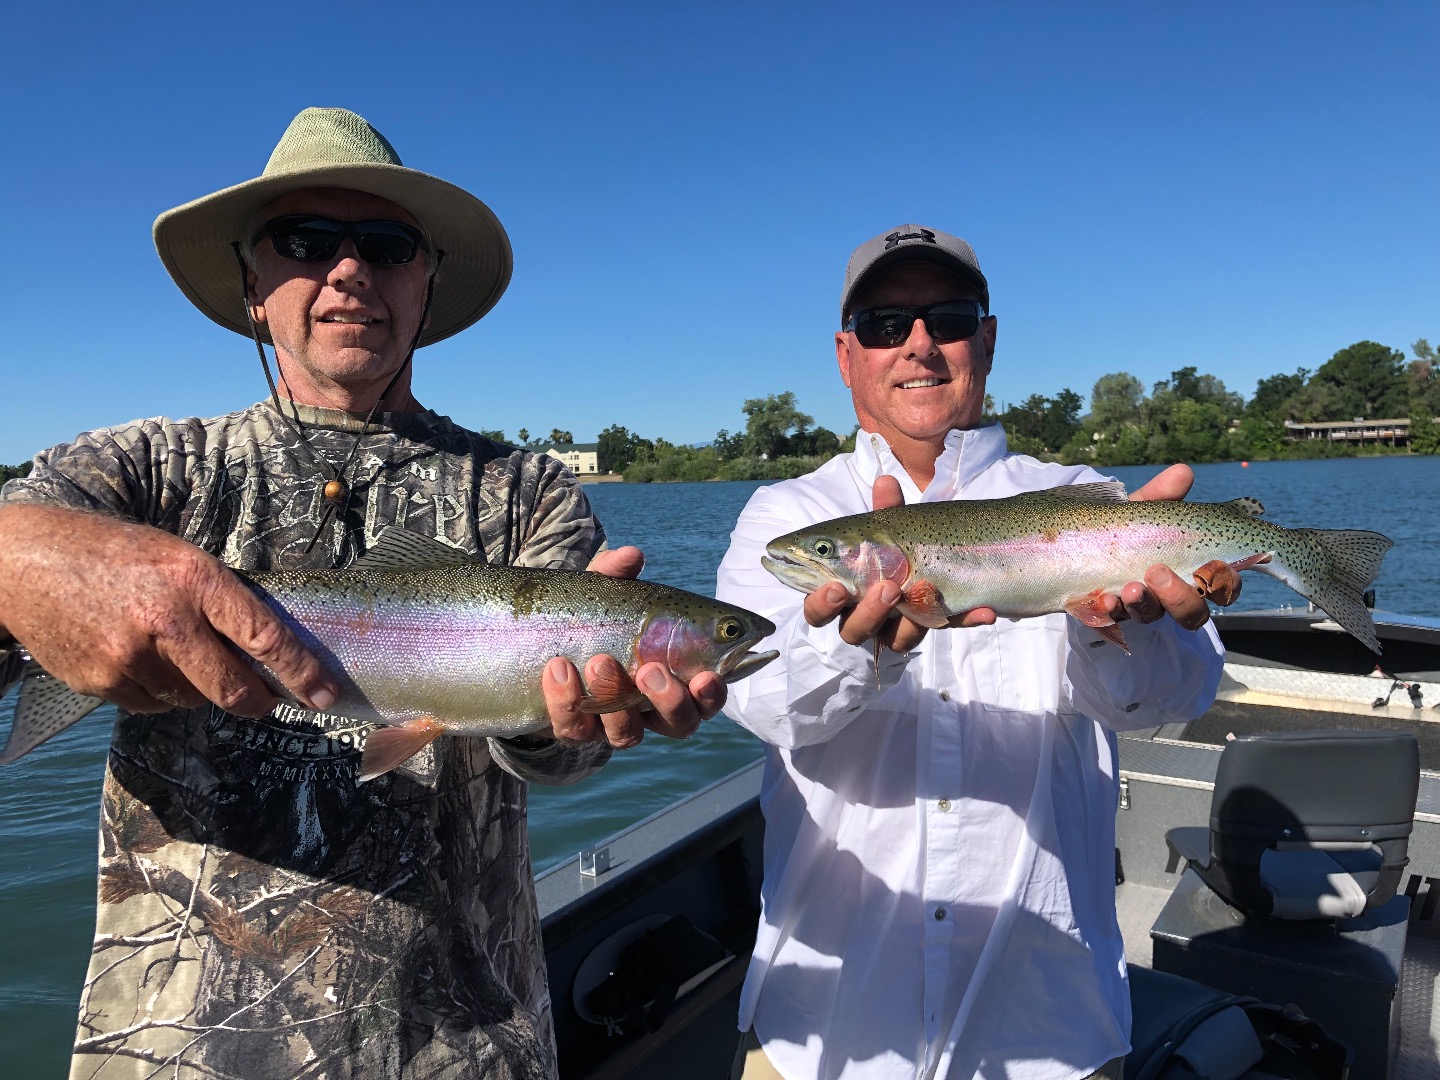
[966, 454]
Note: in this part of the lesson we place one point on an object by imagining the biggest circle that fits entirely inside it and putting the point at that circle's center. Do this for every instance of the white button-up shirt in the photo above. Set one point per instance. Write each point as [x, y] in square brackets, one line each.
[944, 828]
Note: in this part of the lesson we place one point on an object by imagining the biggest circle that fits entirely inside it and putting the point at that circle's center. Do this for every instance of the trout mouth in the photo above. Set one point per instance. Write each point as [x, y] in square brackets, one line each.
[796, 571]
[740, 661]
[738, 665]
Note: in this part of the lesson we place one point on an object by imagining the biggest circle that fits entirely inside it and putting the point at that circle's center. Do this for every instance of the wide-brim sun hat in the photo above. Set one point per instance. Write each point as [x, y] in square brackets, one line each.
[334, 148]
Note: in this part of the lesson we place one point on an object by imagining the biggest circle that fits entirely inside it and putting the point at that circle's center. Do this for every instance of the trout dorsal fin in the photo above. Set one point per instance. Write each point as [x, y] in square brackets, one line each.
[396, 549]
[1246, 505]
[1100, 491]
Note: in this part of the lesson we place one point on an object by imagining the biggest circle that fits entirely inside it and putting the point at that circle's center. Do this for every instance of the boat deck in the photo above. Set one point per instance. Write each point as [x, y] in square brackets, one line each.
[701, 857]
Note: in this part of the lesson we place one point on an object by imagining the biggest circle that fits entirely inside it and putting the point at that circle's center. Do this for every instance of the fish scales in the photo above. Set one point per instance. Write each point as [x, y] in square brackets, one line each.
[407, 654]
[425, 640]
[1058, 549]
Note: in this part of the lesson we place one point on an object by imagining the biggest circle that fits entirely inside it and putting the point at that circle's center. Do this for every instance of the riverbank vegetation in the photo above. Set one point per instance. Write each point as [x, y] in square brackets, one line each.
[1194, 417]
[1190, 417]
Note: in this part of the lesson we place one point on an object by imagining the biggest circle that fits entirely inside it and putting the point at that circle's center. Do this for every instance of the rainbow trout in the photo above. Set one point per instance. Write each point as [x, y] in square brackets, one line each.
[426, 641]
[1062, 549]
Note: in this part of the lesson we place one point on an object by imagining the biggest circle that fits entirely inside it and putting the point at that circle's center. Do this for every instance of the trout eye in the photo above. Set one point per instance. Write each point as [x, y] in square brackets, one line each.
[823, 547]
[728, 629]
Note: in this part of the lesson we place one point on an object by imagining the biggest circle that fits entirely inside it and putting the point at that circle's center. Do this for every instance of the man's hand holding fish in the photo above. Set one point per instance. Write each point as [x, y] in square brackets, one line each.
[676, 709]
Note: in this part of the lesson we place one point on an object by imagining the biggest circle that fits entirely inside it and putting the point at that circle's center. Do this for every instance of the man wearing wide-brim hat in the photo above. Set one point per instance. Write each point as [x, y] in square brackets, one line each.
[261, 913]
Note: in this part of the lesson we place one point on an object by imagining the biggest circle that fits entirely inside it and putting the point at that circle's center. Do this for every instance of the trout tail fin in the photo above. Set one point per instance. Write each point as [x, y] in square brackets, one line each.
[1348, 561]
[45, 707]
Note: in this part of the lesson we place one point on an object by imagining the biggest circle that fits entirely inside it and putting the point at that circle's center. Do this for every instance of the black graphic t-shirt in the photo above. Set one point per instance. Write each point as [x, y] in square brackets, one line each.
[261, 914]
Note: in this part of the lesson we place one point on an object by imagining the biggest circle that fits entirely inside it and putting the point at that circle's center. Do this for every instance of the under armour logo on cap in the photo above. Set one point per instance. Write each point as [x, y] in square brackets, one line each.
[925, 236]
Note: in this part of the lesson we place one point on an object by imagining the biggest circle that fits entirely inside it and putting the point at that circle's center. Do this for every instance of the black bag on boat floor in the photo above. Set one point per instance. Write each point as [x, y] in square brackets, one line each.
[1183, 1030]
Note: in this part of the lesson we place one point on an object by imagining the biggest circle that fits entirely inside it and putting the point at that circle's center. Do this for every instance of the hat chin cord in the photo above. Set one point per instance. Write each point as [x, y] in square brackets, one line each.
[335, 491]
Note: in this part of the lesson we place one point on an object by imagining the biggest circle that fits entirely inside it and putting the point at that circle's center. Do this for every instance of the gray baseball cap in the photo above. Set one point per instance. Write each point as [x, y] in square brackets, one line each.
[912, 242]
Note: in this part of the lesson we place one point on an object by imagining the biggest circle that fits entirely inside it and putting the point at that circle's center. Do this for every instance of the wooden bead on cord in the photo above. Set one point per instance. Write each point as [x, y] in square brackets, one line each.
[334, 491]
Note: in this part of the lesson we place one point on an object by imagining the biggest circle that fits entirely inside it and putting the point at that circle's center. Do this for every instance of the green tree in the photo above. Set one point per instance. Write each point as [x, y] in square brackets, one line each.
[524, 436]
[1424, 433]
[1115, 401]
[14, 472]
[1197, 430]
[728, 446]
[493, 433]
[1313, 402]
[819, 441]
[617, 448]
[1271, 394]
[769, 420]
[1259, 436]
[1423, 378]
[1041, 424]
[560, 437]
[1130, 446]
[1368, 380]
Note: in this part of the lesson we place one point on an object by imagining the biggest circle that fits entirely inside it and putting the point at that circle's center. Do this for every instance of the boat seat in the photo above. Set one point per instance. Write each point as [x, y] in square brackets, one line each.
[1307, 825]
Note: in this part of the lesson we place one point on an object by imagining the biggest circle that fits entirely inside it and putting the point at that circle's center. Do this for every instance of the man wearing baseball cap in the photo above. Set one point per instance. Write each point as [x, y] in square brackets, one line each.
[938, 897]
[261, 913]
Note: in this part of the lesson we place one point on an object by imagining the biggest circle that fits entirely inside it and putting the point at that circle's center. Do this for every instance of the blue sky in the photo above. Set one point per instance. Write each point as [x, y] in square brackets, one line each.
[1242, 187]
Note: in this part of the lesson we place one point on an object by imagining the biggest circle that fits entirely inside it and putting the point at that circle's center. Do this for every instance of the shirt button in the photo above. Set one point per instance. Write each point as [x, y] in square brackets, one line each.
[944, 695]
[939, 914]
[944, 805]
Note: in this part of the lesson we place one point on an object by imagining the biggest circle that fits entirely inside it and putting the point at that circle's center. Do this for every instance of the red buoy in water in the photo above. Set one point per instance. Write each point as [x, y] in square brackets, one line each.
[1244, 464]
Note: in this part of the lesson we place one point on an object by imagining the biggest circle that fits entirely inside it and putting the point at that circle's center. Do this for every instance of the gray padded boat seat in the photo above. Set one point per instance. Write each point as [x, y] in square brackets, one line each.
[1307, 824]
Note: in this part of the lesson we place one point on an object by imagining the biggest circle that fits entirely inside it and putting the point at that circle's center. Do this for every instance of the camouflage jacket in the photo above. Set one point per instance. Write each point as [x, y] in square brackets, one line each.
[260, 913]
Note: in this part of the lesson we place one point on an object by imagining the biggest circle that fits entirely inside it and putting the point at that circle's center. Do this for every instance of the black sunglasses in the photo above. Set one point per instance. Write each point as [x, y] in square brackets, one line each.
[306, 238]
[886, 327]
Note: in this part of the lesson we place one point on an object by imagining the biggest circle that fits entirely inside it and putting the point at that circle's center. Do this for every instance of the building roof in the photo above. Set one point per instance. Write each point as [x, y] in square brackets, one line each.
[1319, 424]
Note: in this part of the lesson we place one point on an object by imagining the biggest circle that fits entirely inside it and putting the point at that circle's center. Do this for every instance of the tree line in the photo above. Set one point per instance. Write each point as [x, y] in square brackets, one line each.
[779, 442]
[1193, 417]
[1189, 417]
[522, 438]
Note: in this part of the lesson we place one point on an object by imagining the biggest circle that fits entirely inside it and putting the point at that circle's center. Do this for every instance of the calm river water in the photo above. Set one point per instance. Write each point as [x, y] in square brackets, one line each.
[49, 801]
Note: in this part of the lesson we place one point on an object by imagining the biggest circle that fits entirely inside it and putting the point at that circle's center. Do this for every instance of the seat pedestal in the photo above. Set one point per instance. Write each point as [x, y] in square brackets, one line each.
[1345, 974]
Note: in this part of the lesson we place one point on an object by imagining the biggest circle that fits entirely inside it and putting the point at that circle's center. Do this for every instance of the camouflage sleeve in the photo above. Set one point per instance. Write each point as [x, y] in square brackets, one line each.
[563, 532]
[563, 535]
[128, 472]
[543, 760]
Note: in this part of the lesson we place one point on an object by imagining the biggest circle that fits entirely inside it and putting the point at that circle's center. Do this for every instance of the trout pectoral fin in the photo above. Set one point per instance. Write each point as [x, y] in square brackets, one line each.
[922, 603]
[387, 748]
[1090, 610]
[599, 703]
[609, 689]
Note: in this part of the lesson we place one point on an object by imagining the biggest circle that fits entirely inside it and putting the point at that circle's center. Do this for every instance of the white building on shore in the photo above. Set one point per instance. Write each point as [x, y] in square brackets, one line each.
[580, 458]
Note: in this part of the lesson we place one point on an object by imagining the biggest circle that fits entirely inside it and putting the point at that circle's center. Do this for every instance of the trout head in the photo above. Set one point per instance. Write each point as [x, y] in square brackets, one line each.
[808, 558]
[700, 634]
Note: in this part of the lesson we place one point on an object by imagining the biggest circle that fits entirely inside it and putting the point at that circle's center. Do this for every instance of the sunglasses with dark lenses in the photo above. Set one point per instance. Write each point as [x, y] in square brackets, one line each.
[306, 238]
[886, 327]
